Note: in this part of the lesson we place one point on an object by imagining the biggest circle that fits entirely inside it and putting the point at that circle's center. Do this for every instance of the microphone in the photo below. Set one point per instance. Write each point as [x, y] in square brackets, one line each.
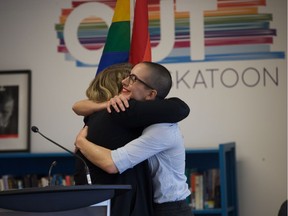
[36, 130]
[54, 163]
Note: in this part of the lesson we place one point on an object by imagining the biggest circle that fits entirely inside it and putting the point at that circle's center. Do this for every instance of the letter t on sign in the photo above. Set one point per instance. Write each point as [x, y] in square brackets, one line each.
[196, 10]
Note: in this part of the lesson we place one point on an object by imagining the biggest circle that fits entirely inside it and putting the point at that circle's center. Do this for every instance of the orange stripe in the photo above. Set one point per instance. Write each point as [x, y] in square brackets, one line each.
[232, 11]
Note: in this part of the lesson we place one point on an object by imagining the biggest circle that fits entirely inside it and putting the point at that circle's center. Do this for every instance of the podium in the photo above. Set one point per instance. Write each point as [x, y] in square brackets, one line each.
[58, 198]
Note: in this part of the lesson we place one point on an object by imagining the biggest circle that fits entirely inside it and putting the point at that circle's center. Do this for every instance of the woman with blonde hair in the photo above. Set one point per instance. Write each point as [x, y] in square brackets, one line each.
[107, 83]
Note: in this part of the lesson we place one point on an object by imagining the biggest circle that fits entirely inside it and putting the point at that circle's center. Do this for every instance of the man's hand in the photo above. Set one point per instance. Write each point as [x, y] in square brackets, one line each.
[87, 107]
[81, 137]
[119, 102]
[98, 155]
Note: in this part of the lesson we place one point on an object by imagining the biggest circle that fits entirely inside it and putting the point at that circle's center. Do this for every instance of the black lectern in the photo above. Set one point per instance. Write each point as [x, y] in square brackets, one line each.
[58, 198]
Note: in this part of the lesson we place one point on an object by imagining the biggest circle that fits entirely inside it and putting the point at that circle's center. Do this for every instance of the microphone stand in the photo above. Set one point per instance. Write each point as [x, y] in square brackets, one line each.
[36, 130]
[54, 163]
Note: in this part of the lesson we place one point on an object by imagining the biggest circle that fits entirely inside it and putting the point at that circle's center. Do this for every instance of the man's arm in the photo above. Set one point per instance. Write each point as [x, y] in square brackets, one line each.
[170, 110]
[145, 113]
[154, 140]
[134, 152]
[87, 107]
[98, 155]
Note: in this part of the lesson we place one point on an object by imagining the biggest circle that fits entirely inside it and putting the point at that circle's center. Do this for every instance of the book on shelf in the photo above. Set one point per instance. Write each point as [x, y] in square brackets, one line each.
[32, 180]
[9, 182]
[1, 184]
[205, 189]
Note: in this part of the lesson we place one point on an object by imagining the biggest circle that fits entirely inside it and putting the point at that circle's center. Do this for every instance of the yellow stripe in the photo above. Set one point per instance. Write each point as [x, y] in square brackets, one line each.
[122, 11]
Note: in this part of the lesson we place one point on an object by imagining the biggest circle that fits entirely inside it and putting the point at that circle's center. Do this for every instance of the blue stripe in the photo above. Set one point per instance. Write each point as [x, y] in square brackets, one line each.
[110, 58]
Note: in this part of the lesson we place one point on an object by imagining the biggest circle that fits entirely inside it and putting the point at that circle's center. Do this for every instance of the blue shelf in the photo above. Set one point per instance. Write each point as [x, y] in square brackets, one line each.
[19, 164]
[217, 211]
[224, 159]
[208, 212]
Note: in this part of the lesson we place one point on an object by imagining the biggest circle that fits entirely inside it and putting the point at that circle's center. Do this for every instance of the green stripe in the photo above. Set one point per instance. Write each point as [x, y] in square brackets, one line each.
[118, 38]
[90, 26]
[238, 19]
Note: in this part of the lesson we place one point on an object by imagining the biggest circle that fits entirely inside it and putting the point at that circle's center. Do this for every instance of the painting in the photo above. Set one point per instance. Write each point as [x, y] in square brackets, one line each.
[15, 110]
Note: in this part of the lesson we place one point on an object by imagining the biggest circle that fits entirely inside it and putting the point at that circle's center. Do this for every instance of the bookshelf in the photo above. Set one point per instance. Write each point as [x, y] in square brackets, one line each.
[224, 159]
[19, 165]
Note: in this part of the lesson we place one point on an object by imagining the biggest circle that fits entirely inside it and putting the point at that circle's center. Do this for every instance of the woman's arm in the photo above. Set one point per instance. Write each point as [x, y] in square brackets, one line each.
[87, 107]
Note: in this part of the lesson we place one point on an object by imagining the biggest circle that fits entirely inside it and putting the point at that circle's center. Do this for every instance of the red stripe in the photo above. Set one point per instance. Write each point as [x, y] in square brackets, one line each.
[239, 41]
[227, 41]
[140, 45]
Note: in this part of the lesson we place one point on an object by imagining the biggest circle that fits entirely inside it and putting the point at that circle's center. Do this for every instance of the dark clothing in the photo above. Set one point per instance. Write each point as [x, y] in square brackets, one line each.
[136, 201]
[172, 209]
[117, 129]
[283, 209]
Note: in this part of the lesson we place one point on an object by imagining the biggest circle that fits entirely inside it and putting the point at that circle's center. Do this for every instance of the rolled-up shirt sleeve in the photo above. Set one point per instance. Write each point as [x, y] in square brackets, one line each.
[148, 144]
[121, 159]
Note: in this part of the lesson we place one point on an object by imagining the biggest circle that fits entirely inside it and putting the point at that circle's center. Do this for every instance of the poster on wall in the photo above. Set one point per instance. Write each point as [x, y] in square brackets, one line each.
[189, 31]
[15, 110]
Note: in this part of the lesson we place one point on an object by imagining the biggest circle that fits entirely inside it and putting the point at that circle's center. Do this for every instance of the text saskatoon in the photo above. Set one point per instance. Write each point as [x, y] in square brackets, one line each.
[227, 78]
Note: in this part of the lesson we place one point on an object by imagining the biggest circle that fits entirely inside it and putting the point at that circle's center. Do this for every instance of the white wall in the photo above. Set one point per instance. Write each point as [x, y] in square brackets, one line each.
[254, 117]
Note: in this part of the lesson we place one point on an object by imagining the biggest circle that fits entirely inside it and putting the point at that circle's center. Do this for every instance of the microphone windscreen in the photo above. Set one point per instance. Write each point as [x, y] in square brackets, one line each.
[34, 129]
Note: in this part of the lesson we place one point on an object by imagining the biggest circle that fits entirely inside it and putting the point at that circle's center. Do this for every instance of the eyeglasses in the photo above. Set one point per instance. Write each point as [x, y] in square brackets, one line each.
[133, 78]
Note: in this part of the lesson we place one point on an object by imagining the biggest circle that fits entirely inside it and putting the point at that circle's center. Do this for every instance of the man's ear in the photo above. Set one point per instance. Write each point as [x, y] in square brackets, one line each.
[152, 95]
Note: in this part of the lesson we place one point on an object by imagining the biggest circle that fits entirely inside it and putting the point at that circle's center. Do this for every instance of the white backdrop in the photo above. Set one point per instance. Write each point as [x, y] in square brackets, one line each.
[254, 117]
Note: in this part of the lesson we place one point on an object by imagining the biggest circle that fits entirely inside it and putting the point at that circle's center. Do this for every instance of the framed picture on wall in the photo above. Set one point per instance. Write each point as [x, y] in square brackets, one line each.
[15, 103]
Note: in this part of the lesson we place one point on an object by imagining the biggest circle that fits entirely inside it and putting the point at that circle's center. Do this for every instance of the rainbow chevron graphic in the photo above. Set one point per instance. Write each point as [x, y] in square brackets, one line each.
[235, 31]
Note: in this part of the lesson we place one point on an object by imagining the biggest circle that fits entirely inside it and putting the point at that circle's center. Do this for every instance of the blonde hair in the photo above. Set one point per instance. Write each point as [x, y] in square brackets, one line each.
[108, 82]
